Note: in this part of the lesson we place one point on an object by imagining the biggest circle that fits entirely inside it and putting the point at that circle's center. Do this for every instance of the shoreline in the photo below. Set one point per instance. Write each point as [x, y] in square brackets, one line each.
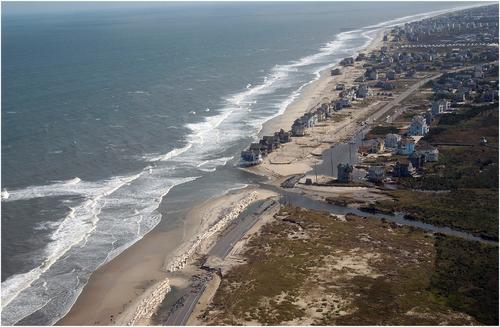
[138, 272]
[317, 90]
[141, 269]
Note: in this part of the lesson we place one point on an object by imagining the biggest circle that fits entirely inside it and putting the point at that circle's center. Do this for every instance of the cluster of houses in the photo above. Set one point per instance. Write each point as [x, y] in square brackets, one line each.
[478, 85]
[257, 151]
[309, 119]
[254, 154]
[404, 167]
[404, 146]
[481, 23]
[385, 67]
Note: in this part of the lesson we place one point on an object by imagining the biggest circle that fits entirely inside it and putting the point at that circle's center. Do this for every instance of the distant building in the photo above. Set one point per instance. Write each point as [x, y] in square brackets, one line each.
[406, 146]
[411, 73]
[371, 74]
[342, 103]
[378, 146]
[340, 87]
[360, 79]
[418, 126]
[344, 173]
[376, 173]
[391, 75]
[251, 158]
[430, 155]
[362, 91]
[428, 117]
[335, 72]
[361, 56]
[271, 142]
[478, 72]
[417, 160]
[440, 106]
[403, 168]
[298, 128]
[392, 140]
[347, 61]
[284, 137]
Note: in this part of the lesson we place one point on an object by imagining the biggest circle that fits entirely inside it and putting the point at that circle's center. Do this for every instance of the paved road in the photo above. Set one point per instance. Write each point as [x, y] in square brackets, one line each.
[397, 100]
[236, 231]
[184, 306]
[400, 97]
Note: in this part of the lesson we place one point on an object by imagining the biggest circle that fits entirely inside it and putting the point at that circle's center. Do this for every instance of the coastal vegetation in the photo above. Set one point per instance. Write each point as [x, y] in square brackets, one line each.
[309, 267]
[381, 131]
[465, 277]
[472, 210]
[460, 190]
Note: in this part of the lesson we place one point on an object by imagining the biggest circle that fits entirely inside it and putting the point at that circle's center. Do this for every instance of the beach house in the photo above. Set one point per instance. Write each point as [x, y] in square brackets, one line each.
[417, 160]
[298, 128]
[371, 74]
[376, 173]
[378, 146]
[251, 158]
[403, 168]
[284, 137]
[418, 126]
[391, 75]
[440, 106]
[342, 103]
[406, 146]
[363, 91]
[430, 154]
[349, 61]
[344, 173]
[392, 140]
[335, 72]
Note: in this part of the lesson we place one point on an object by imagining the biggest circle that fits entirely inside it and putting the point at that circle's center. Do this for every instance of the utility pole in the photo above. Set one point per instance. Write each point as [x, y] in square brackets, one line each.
[331, 160]
[350, 156]
[316, 171]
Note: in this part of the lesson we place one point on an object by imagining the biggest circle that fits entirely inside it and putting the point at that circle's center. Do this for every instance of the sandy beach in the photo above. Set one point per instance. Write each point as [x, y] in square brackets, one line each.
[128, 290]
[299, 156]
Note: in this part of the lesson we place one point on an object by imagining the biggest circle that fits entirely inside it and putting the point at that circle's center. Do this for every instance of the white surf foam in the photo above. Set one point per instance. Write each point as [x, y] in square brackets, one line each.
[127, 206]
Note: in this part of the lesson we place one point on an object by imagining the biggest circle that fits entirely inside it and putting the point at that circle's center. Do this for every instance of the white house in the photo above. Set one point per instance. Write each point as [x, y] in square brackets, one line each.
[440, 106]
[418, 126]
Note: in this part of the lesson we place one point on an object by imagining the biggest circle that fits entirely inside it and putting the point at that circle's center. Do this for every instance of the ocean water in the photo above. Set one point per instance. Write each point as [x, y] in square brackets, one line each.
[117, 117]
